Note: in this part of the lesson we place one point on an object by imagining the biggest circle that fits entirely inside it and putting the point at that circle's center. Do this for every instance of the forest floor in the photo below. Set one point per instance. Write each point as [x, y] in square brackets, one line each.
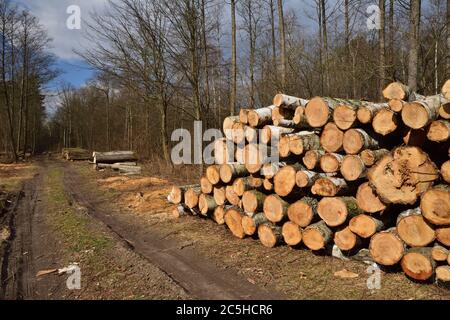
[120, 232]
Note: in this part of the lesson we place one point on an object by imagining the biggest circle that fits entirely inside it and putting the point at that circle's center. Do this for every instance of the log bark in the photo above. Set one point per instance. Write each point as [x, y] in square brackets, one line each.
[292, 233]
[385, 122]
[365, 226]
[353, 168]
[357, 140]
[260, 117]
[306, 179]
[176, 195]
[213, 174]
[386, 247]
[439, 253]
[403, 176]
[330, 162]
[130, 170]
[435, 205]
[332, 138]
[191, 197]
[311, 160]
[418, 264]
[336, 211]
[270, 235]
[346, 240]
[233, 220]
[439, 131]
[397, 90]
[317, 236]
[229, 172]
[413, 229]
[272, 132]
[289, 102]
[368, 200]
[303, 212]
[231, 196]
[251, 224]
[318, 111]
[367, 111]
[206, 204]
[275, 208]
[370, 157]
[285, 179]
[443, 273]
[445, 171]
[443, 235]
[253, 201]
[114, 156]
[241, 185]
[329, 187]
[206, 186]
[302, 142]
[219, 195]
[419, 114]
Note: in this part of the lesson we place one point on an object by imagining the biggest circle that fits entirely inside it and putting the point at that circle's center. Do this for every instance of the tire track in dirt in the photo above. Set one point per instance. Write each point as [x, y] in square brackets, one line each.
[198, 276]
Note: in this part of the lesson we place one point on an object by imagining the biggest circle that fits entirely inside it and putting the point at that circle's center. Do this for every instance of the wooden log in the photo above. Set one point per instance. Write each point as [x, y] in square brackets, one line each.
[243, 115]
[446, 89]
[270, 169]
[445, 171]
[329, 187]
[370, 157]
[269, 133]
[176, 195]
[367, 111]
[396, 105]
[413, 137]
[213, 174]
[269, 235]
[385, 122]
[238, 133]
[114, 156]
[251, 224]
[330, 162]
[253, 201]
[439, 131]
[233, 220]
[344, 116]
[336, 211]
[303, 212]
[420, 113]
[443, 235]
[302, 142]
[116, 166]
[443, 274]
[275, 208]
[444, 111]
[418, 264]
[311, 159]
[206, 204]
[386, 247]
[228, 123]
[317, 236]
[285, 179]
[180, 210]
[368, 200]
[285, 101]
[435, 205]
[256, 156]
[219, 195]
[206, 186]
[130, 170]
[357, 140]
[413, 229]
[403, 176]
[191, 197]
[292, 233]
[219, 214]
[260, 117]
[318, 110]
[397, 90]
[439, 253]
[332, 138]
[353, 168]
[231, 196]
[268, 185]
[241, 185]
[251, 134]
[223, 153]
[228, 172]
[300, 118]
[346, 240]
[365, 226]
[279, 113]
[306, 179]
[239, 154]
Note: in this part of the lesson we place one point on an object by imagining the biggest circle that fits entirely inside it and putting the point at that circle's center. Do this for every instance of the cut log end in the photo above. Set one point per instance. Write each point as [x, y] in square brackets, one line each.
[439, 131]
[292, 233]
[418, 265]
[205, 185]
[443, 236]
[443, 273]
[302, 212]
[439, 253]
[332, 138]
[175, 195]
[330, 162]
[396, 90]
[191, 198]
[385, 122]
[317, 112]
[344, 116]
[445, 171]
[364, 226]
[233, 219]
[317, 236]
[345, 239]
[311, 158]
[269, 235]
[219, 215]
[435, 205]
[213, 174]
[368, 200]
[275, 208]
[414, 115]
[334, 211]
[386, 248]
[415, 231]
[396, 105]
[285, 181]
[352, 168]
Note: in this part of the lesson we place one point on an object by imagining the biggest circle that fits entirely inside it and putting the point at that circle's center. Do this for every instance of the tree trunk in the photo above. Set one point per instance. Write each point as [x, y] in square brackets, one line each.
[205, 185]
[367, 111]
[420, 113]
[114, 156]
[346, 240]
[439, 131]
[213, 174]
[382, 45]
[269, 133]
[219, 195]
[311, 160]
[285, 179]
[319, 109]
[260, 117]
[229, 172]
[306, 179]
[233, 58]
[206, 204]
[414, 38]
[231, 196]
[191, 197]
[331, 162]
[281, 26]
[176, 195]
[385, 122]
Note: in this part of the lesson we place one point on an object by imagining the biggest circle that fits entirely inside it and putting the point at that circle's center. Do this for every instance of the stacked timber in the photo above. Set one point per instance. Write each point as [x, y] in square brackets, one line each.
[75, 154]
[340, 176]
[122, 161]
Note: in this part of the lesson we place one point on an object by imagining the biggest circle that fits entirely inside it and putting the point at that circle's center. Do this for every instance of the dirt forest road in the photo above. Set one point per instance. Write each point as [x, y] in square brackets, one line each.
[56, 220]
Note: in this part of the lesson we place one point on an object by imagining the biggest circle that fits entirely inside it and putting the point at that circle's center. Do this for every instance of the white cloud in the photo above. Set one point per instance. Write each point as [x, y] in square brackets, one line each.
[53, 15]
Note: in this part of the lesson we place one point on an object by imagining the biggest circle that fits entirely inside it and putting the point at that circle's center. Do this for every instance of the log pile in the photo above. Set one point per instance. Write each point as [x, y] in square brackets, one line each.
[122, 161]
[75, 154]
[351, 177]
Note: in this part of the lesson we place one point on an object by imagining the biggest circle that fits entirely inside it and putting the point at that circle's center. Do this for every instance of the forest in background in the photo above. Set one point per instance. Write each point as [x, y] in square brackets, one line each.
[162, 64]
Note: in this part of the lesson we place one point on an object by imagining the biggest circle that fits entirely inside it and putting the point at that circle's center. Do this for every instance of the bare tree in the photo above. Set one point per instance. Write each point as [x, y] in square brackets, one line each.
[414, 43]
[233, 58]
[282, 44]
[382, 46]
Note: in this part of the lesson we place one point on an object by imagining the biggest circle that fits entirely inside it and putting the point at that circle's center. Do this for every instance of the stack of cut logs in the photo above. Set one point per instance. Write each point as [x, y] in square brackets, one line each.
[353, 176]
[75, 154]
[122, 161]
